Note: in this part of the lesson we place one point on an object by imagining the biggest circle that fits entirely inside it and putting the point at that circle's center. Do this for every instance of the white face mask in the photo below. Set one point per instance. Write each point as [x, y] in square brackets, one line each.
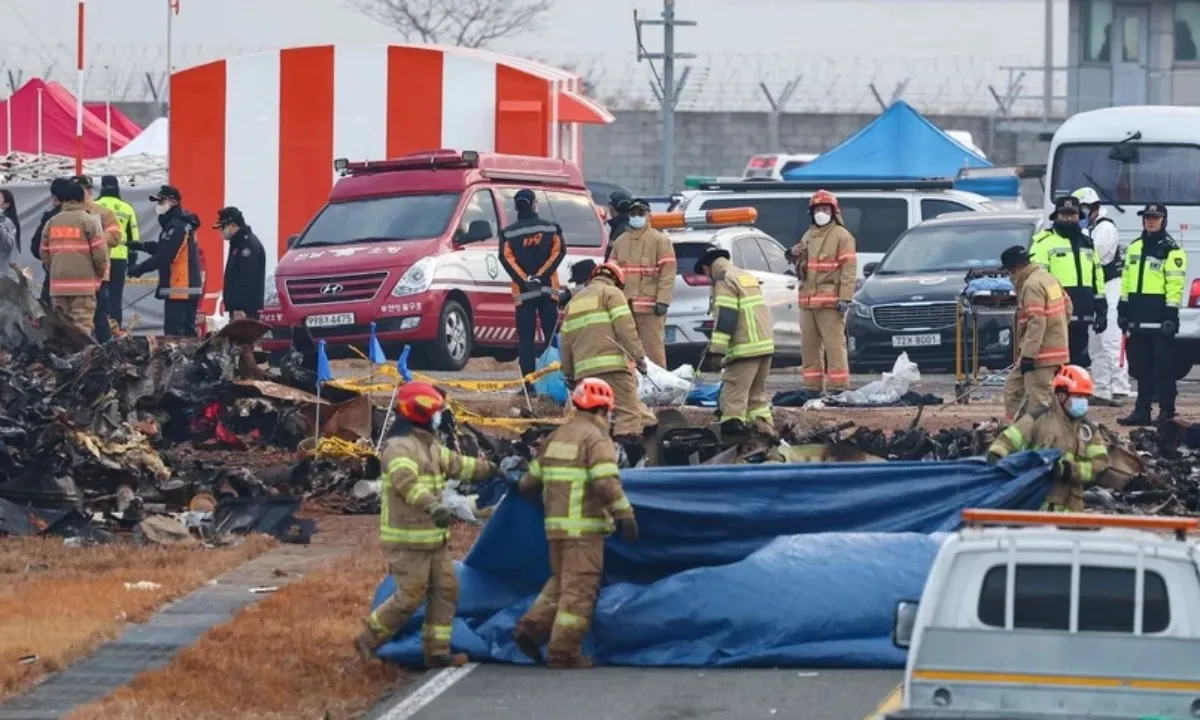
[436, 422]
[822, 218]
[161, 208]
[637, 222]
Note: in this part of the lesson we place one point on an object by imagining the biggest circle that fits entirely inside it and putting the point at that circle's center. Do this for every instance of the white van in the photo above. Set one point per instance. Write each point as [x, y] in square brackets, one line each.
[1072, 616]
[1133, 156]
[876, 212]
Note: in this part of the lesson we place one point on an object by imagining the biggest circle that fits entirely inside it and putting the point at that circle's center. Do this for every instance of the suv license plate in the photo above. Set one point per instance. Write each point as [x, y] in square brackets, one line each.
[669, 335]
[916, 340]
[324, 321]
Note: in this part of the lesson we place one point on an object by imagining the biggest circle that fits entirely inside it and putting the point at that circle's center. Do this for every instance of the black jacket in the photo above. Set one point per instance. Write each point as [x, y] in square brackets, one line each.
[616, 228]
[35, 245]
[532, 248]
[178, 274]
[245, 273]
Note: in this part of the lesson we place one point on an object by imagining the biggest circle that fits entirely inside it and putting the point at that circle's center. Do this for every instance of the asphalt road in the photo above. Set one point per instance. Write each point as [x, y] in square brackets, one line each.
[504, 692]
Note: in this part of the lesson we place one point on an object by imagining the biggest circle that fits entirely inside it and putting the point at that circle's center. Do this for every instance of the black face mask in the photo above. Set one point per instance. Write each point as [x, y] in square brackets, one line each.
[1067, 229]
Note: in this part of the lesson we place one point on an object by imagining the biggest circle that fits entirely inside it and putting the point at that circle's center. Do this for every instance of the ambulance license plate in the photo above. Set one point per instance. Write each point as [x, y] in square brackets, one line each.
[916, 340]
[324, 321]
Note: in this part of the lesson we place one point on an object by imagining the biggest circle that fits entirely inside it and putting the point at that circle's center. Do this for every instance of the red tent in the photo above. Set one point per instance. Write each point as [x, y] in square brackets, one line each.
[58, 123]
[121, 124]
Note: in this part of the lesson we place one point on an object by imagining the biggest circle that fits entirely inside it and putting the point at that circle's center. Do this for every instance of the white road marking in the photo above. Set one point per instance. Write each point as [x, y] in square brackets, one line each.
[428, 692]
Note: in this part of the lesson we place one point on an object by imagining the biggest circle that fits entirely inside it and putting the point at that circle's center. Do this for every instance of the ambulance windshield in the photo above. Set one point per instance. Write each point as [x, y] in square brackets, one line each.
[387, 219]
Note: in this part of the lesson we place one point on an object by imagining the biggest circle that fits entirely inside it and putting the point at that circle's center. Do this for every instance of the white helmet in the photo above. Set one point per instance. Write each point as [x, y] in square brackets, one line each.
[1086, 196]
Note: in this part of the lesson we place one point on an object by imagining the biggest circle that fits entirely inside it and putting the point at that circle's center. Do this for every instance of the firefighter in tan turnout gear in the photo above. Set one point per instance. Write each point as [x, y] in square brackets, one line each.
[599, 340]
[1063, 425]
[75, 252]
[742, 343]
[1041, 335]
[648, 259]
[413, 526]
[827, 266]
[576, 474]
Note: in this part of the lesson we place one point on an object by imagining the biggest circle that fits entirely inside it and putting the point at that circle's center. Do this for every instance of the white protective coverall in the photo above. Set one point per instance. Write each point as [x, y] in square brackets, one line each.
[1109, 369]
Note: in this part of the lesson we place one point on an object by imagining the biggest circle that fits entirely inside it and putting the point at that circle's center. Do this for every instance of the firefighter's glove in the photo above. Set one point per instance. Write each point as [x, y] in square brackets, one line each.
[533, 285]
[136, 271]
[712, 363]
[629, 529]
[1170, 328]
[642, 367]
[993, 458]
[1123, 316]
[564, 297]
[441, 515]
[843, 307]
[1027, 365]
[1101, 323]
[660, 309]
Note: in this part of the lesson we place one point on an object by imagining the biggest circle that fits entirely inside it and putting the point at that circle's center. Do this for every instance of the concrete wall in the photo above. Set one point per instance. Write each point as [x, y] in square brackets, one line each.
[711, 143]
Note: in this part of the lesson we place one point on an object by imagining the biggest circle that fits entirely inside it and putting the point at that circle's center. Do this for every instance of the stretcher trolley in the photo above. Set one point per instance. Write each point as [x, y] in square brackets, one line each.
[988, 294]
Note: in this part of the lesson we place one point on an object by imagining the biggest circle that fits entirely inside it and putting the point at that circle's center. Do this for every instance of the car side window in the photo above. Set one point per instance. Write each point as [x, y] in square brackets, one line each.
[931, 208]
[748, 256]
[777, 261]
[481, 206]
[875, 222]
[577, 215]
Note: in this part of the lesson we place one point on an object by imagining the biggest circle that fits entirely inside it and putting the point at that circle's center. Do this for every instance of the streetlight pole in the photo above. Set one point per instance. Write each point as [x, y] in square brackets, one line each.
[1048, 81]
[79, 97]
[669, 92]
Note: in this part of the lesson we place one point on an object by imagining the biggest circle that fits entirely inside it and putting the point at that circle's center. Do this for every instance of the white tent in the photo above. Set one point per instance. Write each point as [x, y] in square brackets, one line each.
[154, 142]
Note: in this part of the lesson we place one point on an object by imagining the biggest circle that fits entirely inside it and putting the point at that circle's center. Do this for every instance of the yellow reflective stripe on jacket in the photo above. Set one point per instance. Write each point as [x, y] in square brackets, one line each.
[600, 363]
[569, 620]
[424, 484]
[564, 474]
[620, 506]
[578, 527]
[574, 323]
[467, 472]
[535, 470]
[402, 463]
[1085, 471]
[424, 536]
[619, 311]
[603, 470]
[1014, 437]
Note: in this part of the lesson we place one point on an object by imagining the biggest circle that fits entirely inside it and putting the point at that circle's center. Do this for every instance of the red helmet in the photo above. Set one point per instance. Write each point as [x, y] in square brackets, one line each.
[593, 393]
[614, 271]
[418, 402]
[1074, 380]
[824, 197]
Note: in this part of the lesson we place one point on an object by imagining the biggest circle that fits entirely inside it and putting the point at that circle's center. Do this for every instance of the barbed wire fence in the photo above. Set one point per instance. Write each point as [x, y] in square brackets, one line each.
[771, 83]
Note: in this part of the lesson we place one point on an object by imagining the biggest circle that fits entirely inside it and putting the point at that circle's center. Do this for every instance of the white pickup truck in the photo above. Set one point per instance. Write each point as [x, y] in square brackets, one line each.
[1039, 616]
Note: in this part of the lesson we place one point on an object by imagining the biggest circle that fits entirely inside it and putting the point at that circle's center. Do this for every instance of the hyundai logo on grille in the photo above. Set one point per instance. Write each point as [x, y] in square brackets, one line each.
[332, 289]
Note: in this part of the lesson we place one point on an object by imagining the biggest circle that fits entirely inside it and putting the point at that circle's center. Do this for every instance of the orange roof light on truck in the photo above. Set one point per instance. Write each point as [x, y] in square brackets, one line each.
[1178, 525]
[723, 217]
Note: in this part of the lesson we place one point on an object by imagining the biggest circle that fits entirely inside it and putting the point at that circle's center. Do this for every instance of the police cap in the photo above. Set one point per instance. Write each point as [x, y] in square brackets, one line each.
[1153, 210]
[229, 216]
[639, 204]
[525, 198]
[167, 192]
[1014, 257]
[619, 200]
[1068, 203]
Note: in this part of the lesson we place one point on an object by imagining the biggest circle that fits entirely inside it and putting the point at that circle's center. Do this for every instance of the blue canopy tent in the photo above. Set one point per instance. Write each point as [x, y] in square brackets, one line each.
[901, 144]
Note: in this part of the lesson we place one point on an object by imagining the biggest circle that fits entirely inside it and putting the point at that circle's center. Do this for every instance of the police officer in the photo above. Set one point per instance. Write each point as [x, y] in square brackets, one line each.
[619, 203]
[110, 198]
[176, 258]
[1151, 294]
[531, 249]
[1108, 369]
[1066, 252]
[245, 267]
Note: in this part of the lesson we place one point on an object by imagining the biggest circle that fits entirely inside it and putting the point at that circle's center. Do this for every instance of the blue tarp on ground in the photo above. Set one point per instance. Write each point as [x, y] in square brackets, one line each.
[900, 144]
[756, 565]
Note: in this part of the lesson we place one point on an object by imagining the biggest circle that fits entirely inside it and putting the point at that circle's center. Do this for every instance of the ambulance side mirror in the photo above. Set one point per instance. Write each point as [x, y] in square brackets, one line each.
[904, 624]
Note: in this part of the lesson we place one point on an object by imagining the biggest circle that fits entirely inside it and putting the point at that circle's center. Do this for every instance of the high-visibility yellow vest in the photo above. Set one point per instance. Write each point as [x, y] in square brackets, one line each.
[1152, 285]
[1055, 253]
[128, 221]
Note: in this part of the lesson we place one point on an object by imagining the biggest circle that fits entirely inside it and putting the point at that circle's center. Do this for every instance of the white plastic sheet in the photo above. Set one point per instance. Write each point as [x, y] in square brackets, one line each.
[665, 387]
[887, 390]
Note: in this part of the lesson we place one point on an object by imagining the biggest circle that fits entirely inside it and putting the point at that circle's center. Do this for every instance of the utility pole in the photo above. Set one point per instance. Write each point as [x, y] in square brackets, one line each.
[670, 94]
[1048, 87]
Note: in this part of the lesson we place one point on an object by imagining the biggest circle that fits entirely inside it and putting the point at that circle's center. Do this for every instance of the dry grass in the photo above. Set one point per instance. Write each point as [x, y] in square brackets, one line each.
[60, 603]
[289, 656]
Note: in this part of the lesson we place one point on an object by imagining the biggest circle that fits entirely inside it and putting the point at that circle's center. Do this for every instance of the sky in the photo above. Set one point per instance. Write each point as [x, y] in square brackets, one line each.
[949, 50]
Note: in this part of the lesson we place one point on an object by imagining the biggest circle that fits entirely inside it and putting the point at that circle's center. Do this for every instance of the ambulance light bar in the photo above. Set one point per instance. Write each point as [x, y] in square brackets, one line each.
[1178, 525]
[723, 217]
[425, 160]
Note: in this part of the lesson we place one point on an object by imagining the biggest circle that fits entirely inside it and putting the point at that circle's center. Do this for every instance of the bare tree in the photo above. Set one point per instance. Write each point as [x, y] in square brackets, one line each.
[467, 23]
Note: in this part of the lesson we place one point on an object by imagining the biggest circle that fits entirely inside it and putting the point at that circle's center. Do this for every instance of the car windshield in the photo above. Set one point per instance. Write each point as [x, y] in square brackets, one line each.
[403, 217]
[1130, 173]
[961, 246]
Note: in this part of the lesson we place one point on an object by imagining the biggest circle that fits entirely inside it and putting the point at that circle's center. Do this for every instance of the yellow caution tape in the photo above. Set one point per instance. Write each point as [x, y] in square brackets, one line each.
[335, 447]
[463, 415]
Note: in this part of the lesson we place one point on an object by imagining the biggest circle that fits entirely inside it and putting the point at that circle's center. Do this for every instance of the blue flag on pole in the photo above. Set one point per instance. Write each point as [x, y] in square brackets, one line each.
[402, 364]
[375, 350]
[324, 372]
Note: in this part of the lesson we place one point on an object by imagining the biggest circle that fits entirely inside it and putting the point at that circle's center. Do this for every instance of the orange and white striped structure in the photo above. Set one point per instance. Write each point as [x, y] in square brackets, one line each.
[261, 131]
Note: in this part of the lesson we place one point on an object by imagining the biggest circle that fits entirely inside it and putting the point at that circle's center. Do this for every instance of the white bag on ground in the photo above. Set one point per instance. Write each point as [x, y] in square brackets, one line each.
[663, 387]
[893, 386]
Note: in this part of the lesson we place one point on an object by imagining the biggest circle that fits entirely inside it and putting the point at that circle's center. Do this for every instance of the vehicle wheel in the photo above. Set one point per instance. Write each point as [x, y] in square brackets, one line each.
[451, 349]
